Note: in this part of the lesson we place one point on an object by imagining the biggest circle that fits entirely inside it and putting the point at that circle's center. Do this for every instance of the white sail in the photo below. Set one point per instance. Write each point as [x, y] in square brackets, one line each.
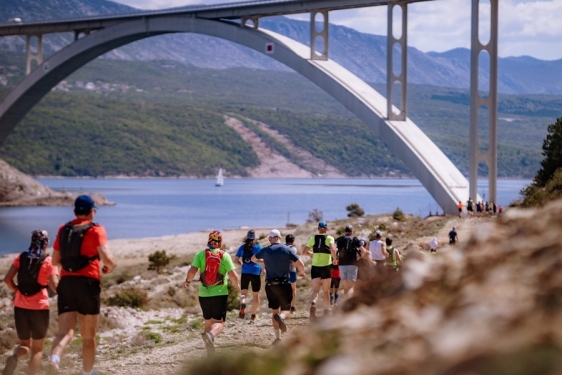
[220, 178]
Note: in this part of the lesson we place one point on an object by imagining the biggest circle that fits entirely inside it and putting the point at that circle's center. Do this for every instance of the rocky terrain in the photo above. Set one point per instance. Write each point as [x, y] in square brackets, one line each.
[19, 189]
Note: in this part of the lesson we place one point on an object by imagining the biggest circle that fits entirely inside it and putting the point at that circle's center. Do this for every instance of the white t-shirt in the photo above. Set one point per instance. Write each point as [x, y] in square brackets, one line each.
[433, 244]
[376, 250]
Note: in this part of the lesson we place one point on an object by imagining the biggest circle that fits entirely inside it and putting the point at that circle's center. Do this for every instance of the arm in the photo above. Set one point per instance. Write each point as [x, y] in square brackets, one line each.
[384, 252]
[300, 267]
[54, 282]
[9, 278]
[306, 251]
[333, 251]
[237, 261]
[55, 259]
[190, 275]
[105, 256]
[398, 255]
[233, 277]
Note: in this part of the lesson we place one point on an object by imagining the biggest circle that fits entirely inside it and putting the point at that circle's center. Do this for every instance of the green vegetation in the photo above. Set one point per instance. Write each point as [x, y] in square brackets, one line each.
[354, 210]
[157, 260]
[169, 121]
[129, 297]
[547, 184]
[398, 215]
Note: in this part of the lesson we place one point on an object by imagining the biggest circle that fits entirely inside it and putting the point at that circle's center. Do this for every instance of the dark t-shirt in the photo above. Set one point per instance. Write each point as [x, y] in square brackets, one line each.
[452, 236]
[347, 250]
[277, 258]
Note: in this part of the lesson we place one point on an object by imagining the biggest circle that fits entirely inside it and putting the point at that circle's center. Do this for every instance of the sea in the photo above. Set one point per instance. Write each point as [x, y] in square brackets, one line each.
[159, 207]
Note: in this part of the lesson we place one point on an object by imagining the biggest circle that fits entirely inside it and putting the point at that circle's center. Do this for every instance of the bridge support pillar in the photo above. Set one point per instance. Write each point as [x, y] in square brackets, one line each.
[319, 38]
[400, 45]
[477, 101]
[31, 56]
[255, 22]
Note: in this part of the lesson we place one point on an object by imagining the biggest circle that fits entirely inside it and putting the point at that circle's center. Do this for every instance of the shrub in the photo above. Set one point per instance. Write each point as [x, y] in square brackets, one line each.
[129, 297]
[157, 260]
[154, 336]
[233, 301]
[315, 216]
[398, 215]
[354, 210]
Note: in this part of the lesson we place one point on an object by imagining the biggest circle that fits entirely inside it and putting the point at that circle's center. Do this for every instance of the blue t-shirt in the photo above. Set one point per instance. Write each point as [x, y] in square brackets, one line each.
[277, 258]
[247, 265]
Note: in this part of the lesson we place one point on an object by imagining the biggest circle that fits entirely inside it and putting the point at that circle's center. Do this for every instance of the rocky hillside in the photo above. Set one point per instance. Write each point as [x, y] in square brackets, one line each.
[18, 189]
[362, 54]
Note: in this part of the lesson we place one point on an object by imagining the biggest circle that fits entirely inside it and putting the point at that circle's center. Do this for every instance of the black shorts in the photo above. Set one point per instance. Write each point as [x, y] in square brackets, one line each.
[335, 283]
[320, 272]
[279, 296]
[214, 307]
[79, 294]
[31, 323]
[469, 209]
[248, 278]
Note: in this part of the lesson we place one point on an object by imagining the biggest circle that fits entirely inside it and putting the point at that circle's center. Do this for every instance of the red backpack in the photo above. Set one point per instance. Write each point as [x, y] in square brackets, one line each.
[211, 275]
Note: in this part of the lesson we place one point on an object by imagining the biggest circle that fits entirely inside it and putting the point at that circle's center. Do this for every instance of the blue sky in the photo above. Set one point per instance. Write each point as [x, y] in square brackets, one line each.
[527, 27]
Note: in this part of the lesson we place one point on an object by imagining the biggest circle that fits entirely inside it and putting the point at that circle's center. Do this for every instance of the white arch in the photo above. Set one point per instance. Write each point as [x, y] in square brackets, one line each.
[422, 157]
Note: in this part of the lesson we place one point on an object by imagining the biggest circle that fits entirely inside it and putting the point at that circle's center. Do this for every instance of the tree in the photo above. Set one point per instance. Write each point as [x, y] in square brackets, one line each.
[315, 215]
[552, 152]
[354, 210]
[157, 260]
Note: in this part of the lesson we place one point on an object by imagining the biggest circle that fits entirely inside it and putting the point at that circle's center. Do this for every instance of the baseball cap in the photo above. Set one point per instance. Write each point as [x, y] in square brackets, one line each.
[348, 228]
[378, 233]
[275, 233]
[84, 203]
[251, 234]
[323, 225]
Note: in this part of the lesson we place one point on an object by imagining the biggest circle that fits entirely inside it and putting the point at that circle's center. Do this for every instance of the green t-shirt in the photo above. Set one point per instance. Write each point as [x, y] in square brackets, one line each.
[226, 266]
[321, 259]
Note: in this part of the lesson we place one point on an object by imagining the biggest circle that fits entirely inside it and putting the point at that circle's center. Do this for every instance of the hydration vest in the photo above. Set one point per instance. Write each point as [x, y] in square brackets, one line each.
[70, 240]
[248, 253]
[28, 273]
[346, 250]
[320, 246]
[211, 276]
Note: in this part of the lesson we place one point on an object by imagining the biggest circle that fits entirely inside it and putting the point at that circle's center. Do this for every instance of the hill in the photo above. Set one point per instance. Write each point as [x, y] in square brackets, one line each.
[363, 54]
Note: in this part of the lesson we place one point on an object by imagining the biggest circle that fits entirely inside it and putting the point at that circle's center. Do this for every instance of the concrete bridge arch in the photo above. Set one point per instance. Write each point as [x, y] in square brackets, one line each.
[422, 157]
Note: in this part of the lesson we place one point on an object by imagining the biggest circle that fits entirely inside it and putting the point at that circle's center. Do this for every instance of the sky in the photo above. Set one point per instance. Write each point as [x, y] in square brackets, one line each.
[526, 27]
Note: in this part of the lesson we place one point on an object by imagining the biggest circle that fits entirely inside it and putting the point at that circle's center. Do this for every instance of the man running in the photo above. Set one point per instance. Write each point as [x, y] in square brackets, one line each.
[453, 237]
[289, 241]
[251, 274]
[79, 247]
[460, 206]
[377, 247]
[323, 250]
[277, 259]
[349, 250]
[215, 265]
[470, 207]
[34, 271]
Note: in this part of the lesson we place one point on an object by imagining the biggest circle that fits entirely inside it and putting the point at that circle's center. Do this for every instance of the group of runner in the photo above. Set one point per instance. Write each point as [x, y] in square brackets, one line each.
[483, 209]
[80, 246]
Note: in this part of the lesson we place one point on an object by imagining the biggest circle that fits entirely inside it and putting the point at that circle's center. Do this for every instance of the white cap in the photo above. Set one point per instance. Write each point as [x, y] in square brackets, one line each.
[275, 233]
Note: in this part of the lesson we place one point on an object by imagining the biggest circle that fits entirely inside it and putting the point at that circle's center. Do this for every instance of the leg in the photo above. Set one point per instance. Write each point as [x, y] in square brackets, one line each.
[243, 295]
[23, 348]
[88, 328]
[316, 283]
[67, 325]
[214, 327]
[36, 354]
[326, 292]
[255, 302]
[294, 288]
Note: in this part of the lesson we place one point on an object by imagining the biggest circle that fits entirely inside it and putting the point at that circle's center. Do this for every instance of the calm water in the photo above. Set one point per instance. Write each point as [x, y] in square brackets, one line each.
[157, 207]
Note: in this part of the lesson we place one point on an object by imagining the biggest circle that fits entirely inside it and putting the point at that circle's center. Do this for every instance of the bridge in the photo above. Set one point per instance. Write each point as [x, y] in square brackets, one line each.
[239, 23]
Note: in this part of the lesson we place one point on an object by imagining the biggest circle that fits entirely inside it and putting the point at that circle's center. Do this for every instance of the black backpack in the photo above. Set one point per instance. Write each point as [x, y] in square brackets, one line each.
[347, 248]
[248, 253]
[320, 245]
[70, 241]
[28, 273]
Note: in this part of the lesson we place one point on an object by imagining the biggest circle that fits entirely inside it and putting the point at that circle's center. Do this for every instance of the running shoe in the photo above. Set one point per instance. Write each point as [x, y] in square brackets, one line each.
[11, 364]
[242, 313]
[276, 342]
[313, 312]
[208, 343]
[293, 309]
[52, 368]
[281, 322]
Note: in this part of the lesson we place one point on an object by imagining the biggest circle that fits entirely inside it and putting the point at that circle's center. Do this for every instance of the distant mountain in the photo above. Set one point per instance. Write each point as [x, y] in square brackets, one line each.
[363, 54]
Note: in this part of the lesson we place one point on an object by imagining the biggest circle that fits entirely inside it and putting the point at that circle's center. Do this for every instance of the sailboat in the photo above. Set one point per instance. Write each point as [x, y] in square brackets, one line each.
[220, 178]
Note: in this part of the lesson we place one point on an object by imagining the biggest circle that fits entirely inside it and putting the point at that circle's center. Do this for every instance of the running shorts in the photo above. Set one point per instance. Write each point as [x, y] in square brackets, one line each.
[279, 296]
[320, 272]
[460, 209]
[214, 307]
[292, 277]
[348, 273]
[248, 278]
[79, 294]
[31, 323]
[335, 283]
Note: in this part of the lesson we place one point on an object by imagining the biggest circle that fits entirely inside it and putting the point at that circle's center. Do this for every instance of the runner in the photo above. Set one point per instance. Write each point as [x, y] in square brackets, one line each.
[433, 245]
[365, 266]
[289, 241]
[460, 206]
[80, 247]
[277, 258]
[487, 208]
[394, 257]
[494, 208]
[349, 250]
[500, 209]
[34, 271]
[323, 249]
[453, 237]
[378, 252]
[215, 265]
[478, 209]
[470, 207]
[251, 273]
[334, 283]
